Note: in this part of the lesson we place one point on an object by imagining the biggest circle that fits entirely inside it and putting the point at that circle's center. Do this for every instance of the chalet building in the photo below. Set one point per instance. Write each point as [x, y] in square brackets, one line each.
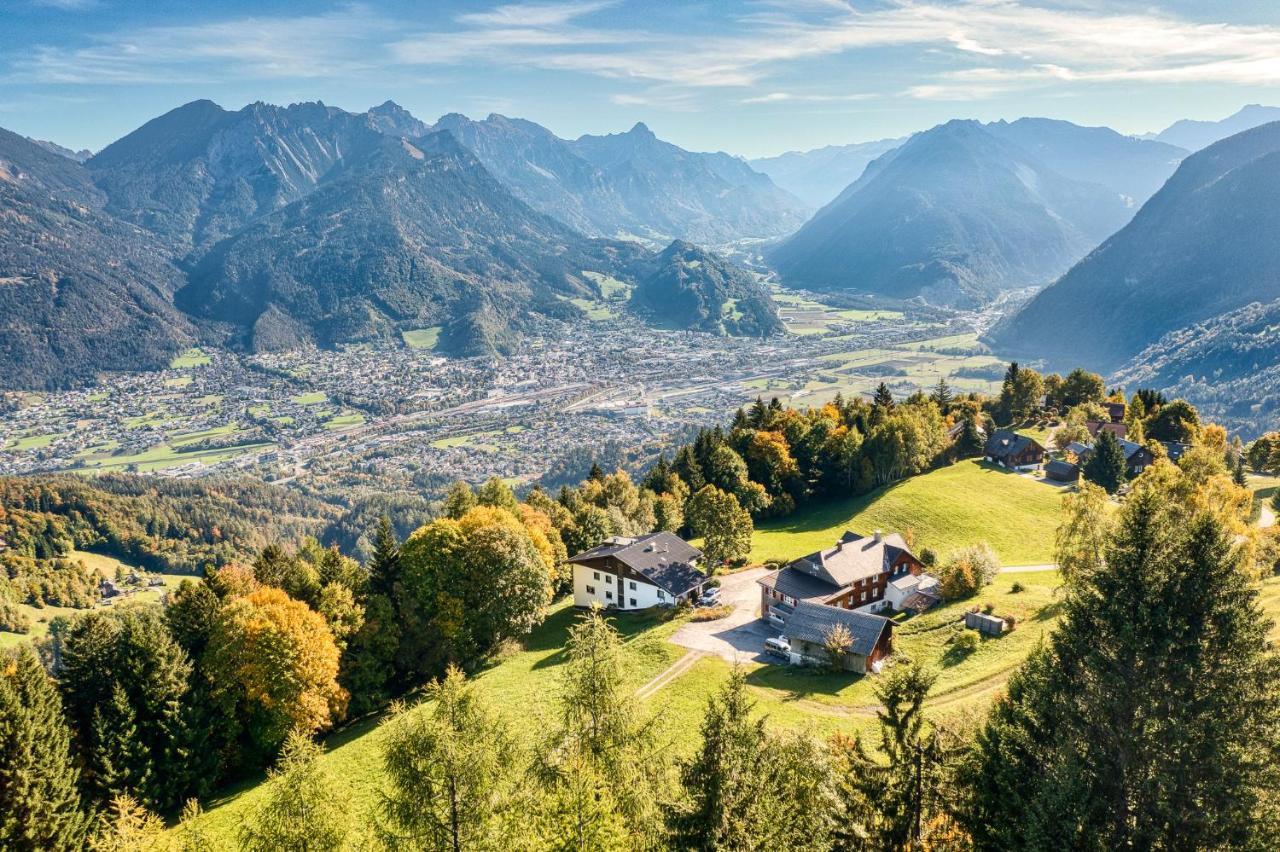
[1115, 411]
[1013, 451]
[852, 575]
[636, 573]
[1137, 458]
[809, 624]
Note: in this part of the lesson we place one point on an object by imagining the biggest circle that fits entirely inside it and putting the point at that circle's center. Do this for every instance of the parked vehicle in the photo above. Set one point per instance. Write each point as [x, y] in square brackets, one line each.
[778, 646]
[710, 597]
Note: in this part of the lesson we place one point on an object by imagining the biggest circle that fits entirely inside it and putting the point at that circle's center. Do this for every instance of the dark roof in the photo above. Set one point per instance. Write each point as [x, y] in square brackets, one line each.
[854, 557]
[1061, 470]
[811, 621]
[1003, 443]
[798, 585]
[666, 560]
[1175, 449]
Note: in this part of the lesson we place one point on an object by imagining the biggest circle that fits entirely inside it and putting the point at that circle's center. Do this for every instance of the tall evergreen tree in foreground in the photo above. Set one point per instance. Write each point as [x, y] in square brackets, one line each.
[1151, 720]
[450, 770]
[39, 802]
[303, 810]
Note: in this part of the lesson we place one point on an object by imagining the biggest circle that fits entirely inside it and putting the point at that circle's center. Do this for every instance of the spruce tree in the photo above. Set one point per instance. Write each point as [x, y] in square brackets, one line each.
[942, 395]
[384, 567]
[40, 806]
[1151, 719]
[1106, 466]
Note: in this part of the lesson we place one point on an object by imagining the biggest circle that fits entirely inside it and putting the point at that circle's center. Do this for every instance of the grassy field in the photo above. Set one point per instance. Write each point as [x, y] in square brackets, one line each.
[107, 567]
[522, 687]
[422, 338]
[944, 509]
[191, 358]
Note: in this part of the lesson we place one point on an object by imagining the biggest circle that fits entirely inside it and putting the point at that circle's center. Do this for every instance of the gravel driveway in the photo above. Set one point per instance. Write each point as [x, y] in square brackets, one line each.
[739, 635]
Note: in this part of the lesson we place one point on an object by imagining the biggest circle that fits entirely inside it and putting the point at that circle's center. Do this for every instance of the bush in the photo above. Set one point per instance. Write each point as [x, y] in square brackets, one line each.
[966, 643]
[1010, 622]
[929, 557]
[1017, 587]
[13, 619]
[967, 571]
[711, 613]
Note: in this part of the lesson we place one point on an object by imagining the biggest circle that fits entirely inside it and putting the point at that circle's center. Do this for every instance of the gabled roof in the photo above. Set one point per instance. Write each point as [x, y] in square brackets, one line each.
[811, 621]
[1005, 443]
[1129, 448]
[1061, 468]
[666, 560]
[855, 557]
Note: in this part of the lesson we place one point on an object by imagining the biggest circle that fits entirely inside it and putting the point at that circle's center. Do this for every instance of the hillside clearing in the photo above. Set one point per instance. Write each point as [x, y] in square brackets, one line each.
[944, 509]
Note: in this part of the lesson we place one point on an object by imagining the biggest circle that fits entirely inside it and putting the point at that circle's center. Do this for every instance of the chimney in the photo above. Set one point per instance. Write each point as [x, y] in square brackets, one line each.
[879, 536]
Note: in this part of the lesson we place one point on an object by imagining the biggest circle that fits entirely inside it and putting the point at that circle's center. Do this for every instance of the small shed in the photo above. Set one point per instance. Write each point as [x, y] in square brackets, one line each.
[1061, 471]
[991, 625]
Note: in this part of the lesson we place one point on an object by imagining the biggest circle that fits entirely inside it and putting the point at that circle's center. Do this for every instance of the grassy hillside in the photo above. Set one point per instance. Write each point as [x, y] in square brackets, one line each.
[944, 509]
[522, 686]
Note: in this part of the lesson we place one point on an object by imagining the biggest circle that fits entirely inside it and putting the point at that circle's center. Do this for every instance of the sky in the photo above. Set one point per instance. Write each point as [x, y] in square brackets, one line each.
[753, 77]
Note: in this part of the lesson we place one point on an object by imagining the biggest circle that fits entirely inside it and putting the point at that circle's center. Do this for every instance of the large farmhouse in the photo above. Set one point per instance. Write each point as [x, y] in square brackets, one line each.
[852, 575]
[636, 573]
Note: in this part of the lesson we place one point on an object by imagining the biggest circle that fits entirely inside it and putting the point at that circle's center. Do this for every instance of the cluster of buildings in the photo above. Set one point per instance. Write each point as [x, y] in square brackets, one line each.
[847, 588]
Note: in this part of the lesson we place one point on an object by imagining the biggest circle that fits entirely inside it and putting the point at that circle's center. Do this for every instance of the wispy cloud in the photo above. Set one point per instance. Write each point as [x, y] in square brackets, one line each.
[977, 48]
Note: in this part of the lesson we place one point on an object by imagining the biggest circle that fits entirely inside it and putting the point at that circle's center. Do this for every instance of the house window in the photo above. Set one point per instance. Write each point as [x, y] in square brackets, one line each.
[595, 575]
[633, 585]
[633, 601]
[591, 590]
[662, 596]
[609, 595]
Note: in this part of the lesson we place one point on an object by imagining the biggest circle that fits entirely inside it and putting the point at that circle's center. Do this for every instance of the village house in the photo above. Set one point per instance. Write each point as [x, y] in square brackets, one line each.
[1137, 458]
[855, 574]
[1013, 451]
[810, 623]
[658, 569]
[1061, 471]
[1120, 430]
[1115, 410]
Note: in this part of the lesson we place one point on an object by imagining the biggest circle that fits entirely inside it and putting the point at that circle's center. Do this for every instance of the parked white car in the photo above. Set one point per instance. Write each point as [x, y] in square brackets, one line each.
[778, 646]
[710, 597]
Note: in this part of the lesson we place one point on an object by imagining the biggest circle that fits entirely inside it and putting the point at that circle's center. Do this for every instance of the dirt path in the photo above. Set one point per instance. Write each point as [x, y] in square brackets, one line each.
[672, 672]
[1029, 569]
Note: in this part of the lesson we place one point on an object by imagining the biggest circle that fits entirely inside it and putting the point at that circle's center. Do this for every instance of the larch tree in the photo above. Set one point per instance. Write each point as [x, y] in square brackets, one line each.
[451, 773]
[303, 810]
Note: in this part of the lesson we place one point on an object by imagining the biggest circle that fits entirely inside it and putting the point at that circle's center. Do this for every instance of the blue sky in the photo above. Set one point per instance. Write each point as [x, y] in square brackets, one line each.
[752, 78]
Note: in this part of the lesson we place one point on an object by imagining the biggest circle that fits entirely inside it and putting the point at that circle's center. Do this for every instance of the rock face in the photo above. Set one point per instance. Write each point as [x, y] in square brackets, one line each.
[687, 287]
[629, 184]
[953, 216]
[1201, 247]
[80, 291]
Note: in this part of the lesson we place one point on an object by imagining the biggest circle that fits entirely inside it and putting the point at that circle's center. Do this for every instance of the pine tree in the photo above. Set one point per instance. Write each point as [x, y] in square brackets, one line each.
[1150, 720]
[40, 807]
[969, 443]
[596, 473]
[911, 787]
[1106, 466]
[1237, 473]
[758, 414]
[883, 398]
[129, 827]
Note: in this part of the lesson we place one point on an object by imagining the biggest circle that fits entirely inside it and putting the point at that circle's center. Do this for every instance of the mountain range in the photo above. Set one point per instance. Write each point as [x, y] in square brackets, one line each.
[1200, 248]
[818, 176]
[1194, 135]
[964, 210]
[273, 227]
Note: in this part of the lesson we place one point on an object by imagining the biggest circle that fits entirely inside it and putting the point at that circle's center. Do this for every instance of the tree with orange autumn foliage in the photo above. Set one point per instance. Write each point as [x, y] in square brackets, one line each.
[272, 664]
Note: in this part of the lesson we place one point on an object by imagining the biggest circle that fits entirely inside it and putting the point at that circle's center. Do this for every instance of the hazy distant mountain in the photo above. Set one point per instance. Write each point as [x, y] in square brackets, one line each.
[79, 291]
[953, 216]
[54, 148]
[1204, 245]
[1133, 167]
[1194, 135]
[416, 234]
[818, 176]
[688, 287]
[671, 192]
[394, 120]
